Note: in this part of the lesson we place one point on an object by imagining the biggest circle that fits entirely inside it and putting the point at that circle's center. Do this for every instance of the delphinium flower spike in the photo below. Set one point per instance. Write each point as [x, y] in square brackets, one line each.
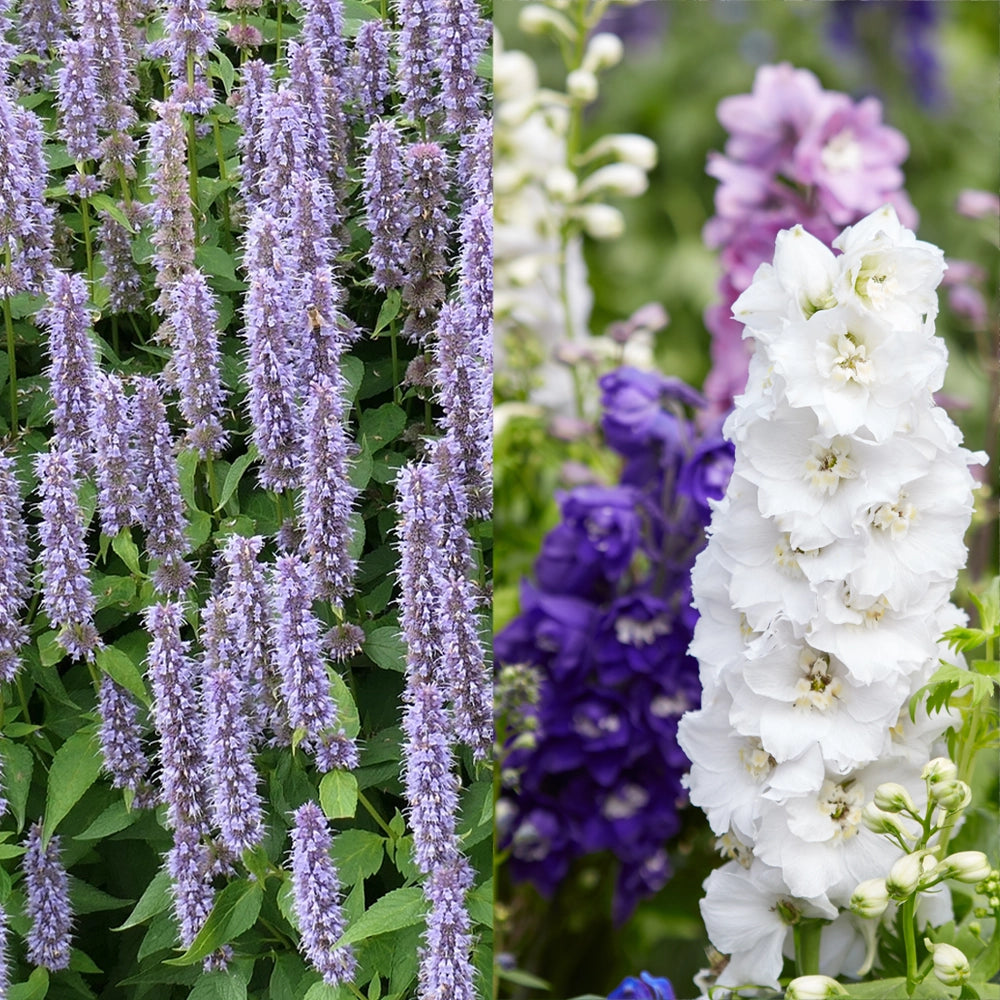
[14, 556]
[316, 897]
[73, 360]
[121, 740]
[385, 204]
[415, 66]
[461, 37]
[371, 76]
[305, 686]
[46, 888]
[66, 595]
[161, 507]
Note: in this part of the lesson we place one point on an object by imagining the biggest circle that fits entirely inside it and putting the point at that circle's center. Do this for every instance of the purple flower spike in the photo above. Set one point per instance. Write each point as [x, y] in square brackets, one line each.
[475, 164]
[371, 76]
[323, 30]
[416, 63]
[327, 494]
[385, 205]
[161, 507]
[236, 805]
[290, 149]
[426, 237]
[461, 39]
[66, 594]
[188, 863]
[177, 719]
[111, 431]
[445, 968]
[305, 685]
[4, 970]
[190, 32]
[99, 23]
[307, 81]
[121, 277]
[121, 737]
[46, 888]
[316, 896]
[193, 317]
[78, 99]
[257, 84]
[41, 27]
[14, 581]
[74, 360]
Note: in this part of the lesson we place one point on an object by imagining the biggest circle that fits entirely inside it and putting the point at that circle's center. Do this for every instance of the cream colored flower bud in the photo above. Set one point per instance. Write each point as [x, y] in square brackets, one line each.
[904, 876]
[536, 19]
[939, 769]
[894, 798]
[966, 866]
[603, 51]
[560, 183]
[627, 147]
[601, 222]
[879, 821]
[950, 964]
[581, 85]
[814, 988]
[951, 795]
[616, 178]
[870, 899]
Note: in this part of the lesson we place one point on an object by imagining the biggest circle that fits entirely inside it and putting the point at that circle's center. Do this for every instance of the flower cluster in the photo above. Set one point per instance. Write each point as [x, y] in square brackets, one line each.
[796, 153]
[825, 584]
[607, 629]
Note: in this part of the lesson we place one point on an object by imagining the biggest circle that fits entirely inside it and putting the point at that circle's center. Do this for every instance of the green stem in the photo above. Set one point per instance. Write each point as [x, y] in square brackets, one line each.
[213, 490]
[906, 914]
[363, 799]
[223, 176]
[397, 389]
[23, 700]
[277, 35]
[192, 153]
[11, 361]
[807, 935]
[87, 243]
[114, 335]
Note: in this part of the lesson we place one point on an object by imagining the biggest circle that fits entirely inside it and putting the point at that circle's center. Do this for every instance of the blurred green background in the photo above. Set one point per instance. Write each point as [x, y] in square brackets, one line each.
[684, 57]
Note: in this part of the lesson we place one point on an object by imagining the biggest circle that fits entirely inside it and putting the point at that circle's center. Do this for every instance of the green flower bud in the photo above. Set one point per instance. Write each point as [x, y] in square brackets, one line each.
[950, 964]
[870, 898]
[966, 866]
[814, 988]
[893, 798]
[939, 769]
[904, 876]
[951, 795]
[879, 821]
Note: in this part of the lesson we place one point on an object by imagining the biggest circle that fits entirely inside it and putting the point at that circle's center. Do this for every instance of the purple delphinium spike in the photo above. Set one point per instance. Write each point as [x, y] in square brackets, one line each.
[290, 149]
[475, 163]
[196, 360]
[189, 863]
[461, 37]
[415, 66]
[111, 432]
[121, 273]
[316, 897]
[385, 205]
[161, 507]
[177, 719]
[305, 685]
[426, 237]
[14, 580]
[73, 359]
[445, 968]
[77, 99]
[273, 371]
[173, 223]
[121, 738]
[236, 805]
[371, 78]
[327, 494]
[323, 30]
[257, 83]
[248, 602]
[66, 594]
[190, 32]
[46, 890]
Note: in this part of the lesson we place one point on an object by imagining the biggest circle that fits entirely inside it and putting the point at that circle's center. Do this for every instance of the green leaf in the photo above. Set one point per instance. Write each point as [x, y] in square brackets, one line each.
[288, 972]
[381, 426]
[218, 986]
[944, 682]
[320, 991]
[353, 370]
[360, 472]
[34, 989]
[338, 795]
[480, 904]
[357, 529]
[114, 819]
[120, 668]
[235, 911]
[49, 649]
[74, 769]
[398, 908]
[235, 474]
[989, 606]
[199, 527]
[216, 262]
[154, 900]
[187, 465]
[89, 899]
[81, 962]
[358, 854]
[18, 763]
[347, 711]
[224, 70]
[388, 312]
[385, 646]
[126, 550]
[105, 203]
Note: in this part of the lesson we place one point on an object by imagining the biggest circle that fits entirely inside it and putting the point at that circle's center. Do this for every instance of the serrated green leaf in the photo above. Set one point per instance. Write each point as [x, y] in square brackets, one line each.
[388, 311]
[81, 962]
[126, 550]
[235, 474]
[360, 472]
[353, 371]
[338, 795]
[386, 647]
[18, 764]
[223, 69]
[215, 262]
[187, 465]
[199, 527]
[321, 991]
[49, 649]
[358, 854]
[89, 899]
[120, 668]
[75, 767]
[218, 986]
[34, 989]
[396, 909]
[105, 203]
[154, 900]
[480, 904]
[347, 711]
[114, 819]
[381, 426]
[235, 911]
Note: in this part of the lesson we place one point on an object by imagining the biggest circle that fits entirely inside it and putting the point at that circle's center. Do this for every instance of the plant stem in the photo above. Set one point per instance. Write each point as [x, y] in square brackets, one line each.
[192, 153]
[397, 389]
[87, 244]
[277, 34]
[223, 176]
[213, 491]
[363, 799]
[807, 934]
[906, 912]
[11, 361]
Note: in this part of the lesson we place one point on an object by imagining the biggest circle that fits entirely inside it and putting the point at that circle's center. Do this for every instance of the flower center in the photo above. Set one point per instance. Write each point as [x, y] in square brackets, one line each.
[786, 558]
[817, 688]
[876, 281]
[851, 363]
[871, 613]
[730, 846]
[758, 762]
[591, 728]
[663, 707]
[893, 518]
[631, 632]
[827, 466]
[842, 153]
[625, 802]
[843, 804]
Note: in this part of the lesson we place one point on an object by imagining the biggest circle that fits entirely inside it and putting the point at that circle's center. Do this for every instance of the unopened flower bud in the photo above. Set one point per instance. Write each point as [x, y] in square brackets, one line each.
[603, 51]
[870, 898]
[814, 988]
[879, 821]
[581, 85]
[560, 183]
[950, 964]
[626, 147]
[894, 798]
[536, 19]
[966, 866]
[938, 770]
[951, 795]
[904, 876]
[602, 222]
[616, 178]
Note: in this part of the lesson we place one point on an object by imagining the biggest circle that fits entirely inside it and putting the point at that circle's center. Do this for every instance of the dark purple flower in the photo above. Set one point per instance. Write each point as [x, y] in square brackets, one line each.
[47, 905]
[646, 987]
[705, 475]
[316, 897]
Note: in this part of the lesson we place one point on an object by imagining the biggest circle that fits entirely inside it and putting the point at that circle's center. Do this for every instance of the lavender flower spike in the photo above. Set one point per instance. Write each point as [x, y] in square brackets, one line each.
[188, 864]
[161, 505]
[14, 581]
[4, 970]
[121, 737]
[445, 968]
[371, 78]
[46, 887]
[327, 494]
[121, 277]
[323, 30]
[66, 594]
[78, 99]
[305, 686]
[111, 431]
[316, 896]
[257, 83]
[461, 39]
[415, 67]
[385, 204]
[73, 357]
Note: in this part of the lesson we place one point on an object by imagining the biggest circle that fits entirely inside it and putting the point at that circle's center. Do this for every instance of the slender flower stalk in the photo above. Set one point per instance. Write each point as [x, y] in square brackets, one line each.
[46, 888]
[190, 34]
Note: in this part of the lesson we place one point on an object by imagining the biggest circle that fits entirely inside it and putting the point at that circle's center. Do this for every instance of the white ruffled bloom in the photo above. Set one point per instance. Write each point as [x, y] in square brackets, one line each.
[824, 588]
